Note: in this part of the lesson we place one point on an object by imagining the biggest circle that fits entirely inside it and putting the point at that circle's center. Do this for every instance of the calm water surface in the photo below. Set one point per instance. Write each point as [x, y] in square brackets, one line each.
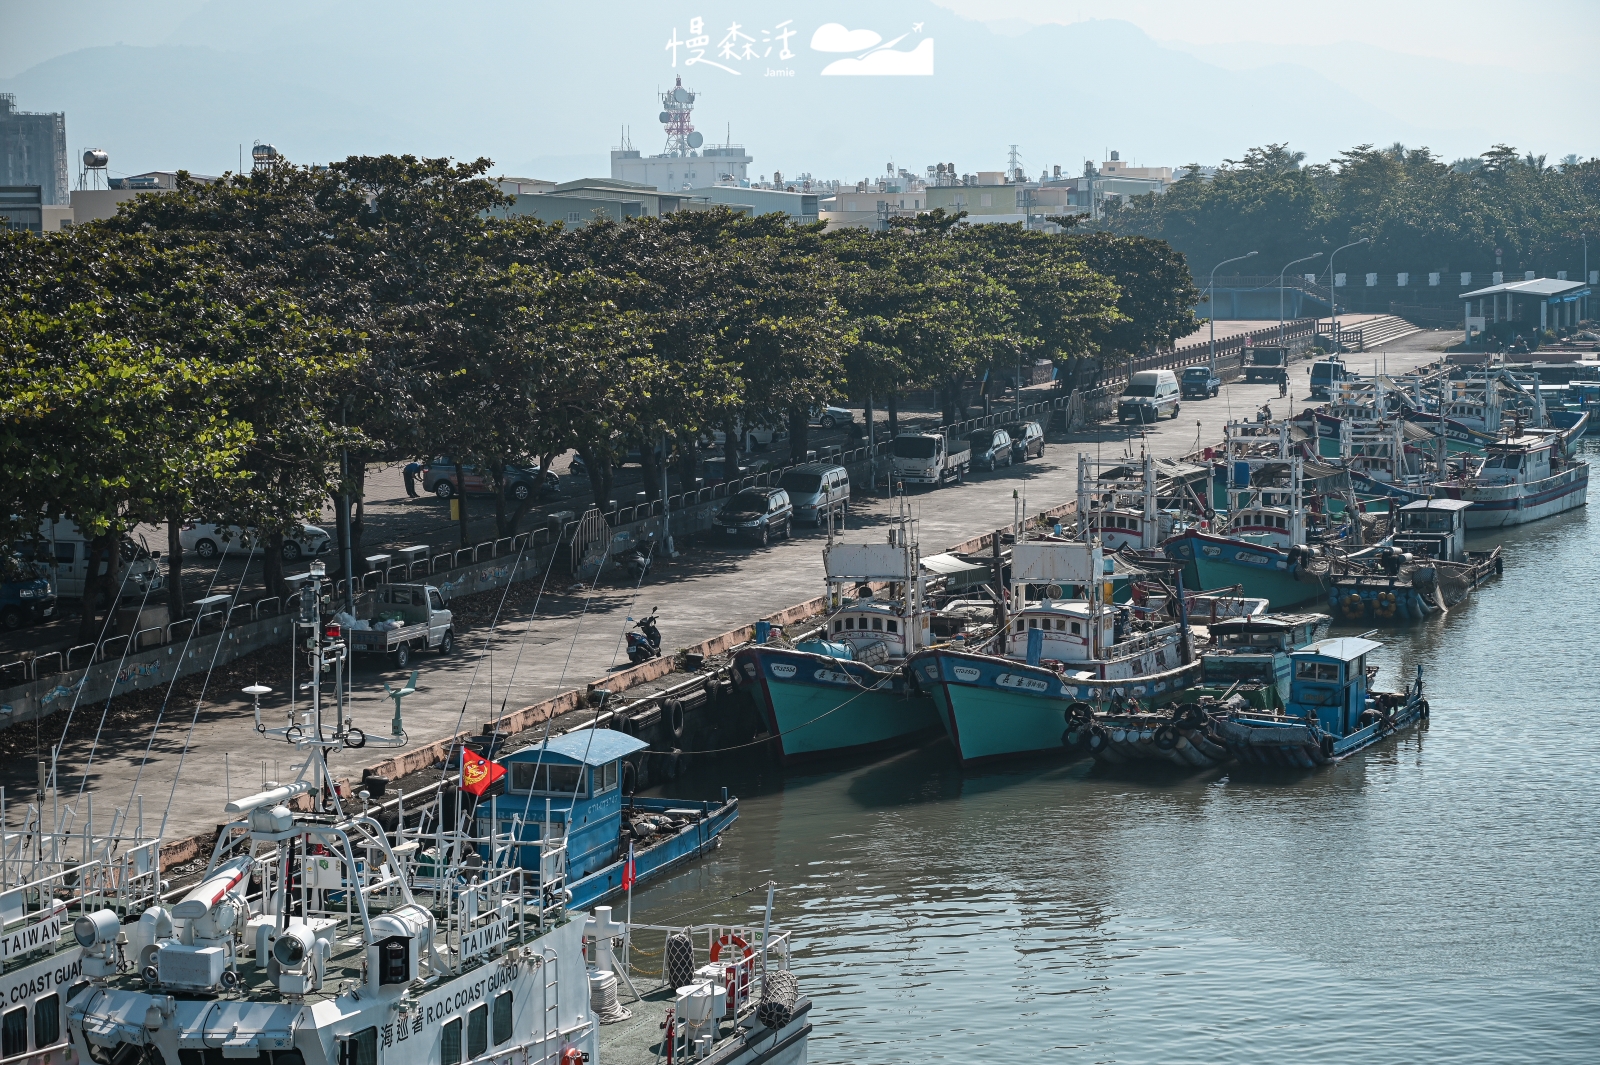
[1437, 898]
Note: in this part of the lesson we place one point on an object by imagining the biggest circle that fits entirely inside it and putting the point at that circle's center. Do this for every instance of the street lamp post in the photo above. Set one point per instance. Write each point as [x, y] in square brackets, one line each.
[1211, 287]
[1281, 273]
[1333, 293]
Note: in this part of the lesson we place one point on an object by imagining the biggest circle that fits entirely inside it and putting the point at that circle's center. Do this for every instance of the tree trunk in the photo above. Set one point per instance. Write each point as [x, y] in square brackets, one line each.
[499, 471]
[544, 467]
[103, 549]
[271, 566]
[600, 478]
[893, 405]
[174, 564]
[648, 462]
[688, 459]
[730, 450]
[799, 433]
[461, 505]
[358, 515]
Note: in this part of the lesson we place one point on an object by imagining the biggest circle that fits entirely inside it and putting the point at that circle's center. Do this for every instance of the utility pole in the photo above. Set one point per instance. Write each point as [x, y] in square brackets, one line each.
[1281, 273]
[1211, 287]
[1333, 292]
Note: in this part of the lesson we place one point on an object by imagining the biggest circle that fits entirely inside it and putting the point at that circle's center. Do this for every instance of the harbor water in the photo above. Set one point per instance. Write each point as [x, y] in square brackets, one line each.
[1435, 898]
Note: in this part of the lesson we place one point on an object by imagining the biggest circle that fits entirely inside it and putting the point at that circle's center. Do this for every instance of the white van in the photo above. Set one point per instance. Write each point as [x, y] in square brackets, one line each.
[66, 552]
[817, 489]
[1149, 395]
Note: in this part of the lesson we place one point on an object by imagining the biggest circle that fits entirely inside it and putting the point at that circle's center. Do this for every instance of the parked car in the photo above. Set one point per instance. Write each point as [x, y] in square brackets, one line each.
[1149, 395]
[757, 513]
[991, 448]
[522, 482]
[817, 489]
[758, 438]
[1326, 372]
[1027, 439]
[64, 552]
[25, 593]
[208, 541]
[829, 417]
[1199, 382]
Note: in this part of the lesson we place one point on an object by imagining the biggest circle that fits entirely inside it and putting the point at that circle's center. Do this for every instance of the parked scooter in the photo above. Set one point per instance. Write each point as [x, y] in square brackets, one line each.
[646, 643]
[638, 565]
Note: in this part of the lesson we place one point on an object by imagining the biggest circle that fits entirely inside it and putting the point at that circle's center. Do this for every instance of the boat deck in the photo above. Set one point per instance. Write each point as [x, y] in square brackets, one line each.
[640, 1040]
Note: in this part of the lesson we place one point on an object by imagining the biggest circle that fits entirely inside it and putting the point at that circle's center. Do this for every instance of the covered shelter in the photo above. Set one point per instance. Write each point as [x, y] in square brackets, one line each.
[1551, 302]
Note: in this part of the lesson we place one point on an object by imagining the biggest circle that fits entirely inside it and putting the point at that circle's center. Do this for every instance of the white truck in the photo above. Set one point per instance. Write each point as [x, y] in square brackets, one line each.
[400, 620]
[930, 458]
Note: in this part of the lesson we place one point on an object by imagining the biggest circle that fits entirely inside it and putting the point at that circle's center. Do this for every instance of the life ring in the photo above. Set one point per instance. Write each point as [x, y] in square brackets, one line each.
[730, 940]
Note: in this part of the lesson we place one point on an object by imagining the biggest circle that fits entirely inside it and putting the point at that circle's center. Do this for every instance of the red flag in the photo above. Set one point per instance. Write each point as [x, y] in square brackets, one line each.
[627, 870]
[478, 774]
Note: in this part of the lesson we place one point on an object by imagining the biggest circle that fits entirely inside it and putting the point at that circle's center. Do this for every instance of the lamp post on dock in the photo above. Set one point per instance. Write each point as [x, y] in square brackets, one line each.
[1211, 287]
[1333, 292]
[1281, 273]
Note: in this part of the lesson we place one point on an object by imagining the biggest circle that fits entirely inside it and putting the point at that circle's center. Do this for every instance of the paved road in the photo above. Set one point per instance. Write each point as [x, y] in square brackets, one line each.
[577, 635]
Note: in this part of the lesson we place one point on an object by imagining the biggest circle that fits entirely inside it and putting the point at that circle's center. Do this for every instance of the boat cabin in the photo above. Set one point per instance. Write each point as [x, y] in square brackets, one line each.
[569, 786]
[869, 621]
[1266, 525]
[1434, 528]
[1523, 460]
[1330, 681]
[1064, 630]
[1256, 650]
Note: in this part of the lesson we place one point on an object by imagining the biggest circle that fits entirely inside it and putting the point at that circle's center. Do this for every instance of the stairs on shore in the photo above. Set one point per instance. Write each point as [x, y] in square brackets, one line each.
[1379, 331]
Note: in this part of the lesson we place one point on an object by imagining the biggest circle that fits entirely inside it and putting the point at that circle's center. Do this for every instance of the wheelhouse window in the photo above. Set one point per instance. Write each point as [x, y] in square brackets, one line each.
[14, 1032]
[604, 777]
[545, 779]
[360, 1049]
[893, 625]
[502, 1018]
[47, 1023]
[478, 1032]
[450, 1043]
[1324, 671]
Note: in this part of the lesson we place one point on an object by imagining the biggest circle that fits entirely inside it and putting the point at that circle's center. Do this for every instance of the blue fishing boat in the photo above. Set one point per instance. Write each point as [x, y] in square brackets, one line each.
[1330, 715]
[1245, 662]
[1426, 571]
[569, 823]
[1063, 645]
[846, 691]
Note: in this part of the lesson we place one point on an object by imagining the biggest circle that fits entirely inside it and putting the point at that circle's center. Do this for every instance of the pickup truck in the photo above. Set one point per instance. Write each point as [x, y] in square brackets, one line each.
[930, 458]
[1267, 364]
[401, 619]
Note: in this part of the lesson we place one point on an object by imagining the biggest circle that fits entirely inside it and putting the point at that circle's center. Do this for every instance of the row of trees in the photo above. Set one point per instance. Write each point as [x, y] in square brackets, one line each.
[215, 352]
[1419, 212]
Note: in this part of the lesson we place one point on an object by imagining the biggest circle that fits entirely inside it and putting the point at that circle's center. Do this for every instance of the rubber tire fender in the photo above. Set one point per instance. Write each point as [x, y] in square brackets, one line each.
[1080, 714]
[1166, 738]
[674, 717]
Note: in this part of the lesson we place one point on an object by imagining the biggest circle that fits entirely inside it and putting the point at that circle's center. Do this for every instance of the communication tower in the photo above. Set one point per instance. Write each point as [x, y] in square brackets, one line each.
[677, 106]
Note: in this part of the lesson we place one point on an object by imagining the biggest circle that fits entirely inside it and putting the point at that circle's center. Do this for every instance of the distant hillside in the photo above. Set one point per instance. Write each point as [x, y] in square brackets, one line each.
[545, 89]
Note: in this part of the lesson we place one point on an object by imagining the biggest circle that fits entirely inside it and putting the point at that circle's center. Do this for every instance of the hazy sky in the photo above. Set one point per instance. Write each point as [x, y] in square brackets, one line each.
[545, 89]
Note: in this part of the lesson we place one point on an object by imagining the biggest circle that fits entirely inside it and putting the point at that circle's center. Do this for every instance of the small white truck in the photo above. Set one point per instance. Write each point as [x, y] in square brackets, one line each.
[401, 619]
[930, 458]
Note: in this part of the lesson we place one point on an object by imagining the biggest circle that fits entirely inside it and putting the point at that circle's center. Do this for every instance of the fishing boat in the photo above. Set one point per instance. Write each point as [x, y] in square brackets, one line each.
[845, 690]
[1063, 644]
[1522, 479]
[573, 789]
[1245, 663]
[1330, 714]
[1426, 571]
[320, 935]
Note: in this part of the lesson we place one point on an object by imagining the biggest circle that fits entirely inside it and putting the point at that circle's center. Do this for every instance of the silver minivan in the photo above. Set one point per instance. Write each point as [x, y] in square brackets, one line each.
[817, 489]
